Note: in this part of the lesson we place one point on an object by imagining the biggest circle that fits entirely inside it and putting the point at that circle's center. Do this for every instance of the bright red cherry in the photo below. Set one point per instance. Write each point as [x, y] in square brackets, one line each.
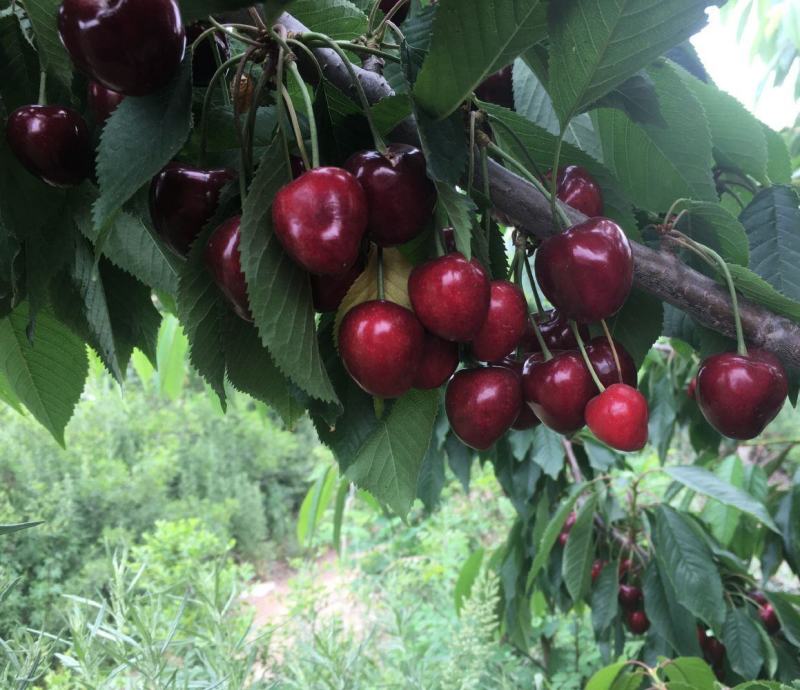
[556, 332]
[102, 101]
[505, 324]
[558, 390]
[630, 597]
[400, 15]
[438, 362]
[605, 366]
[482, 404]
[769, 618]
[52, 143]
[224, 264]
[182, 200]
[131, 46]
[204, 61]
[320, 219]
[399, 194]
[327, 292]
[526, 419]
[739, 395]
[638, 622]
[450, 296]
[597, 568]
[618, 417]
[587, 271]
[577, 188]
[381, 345]
[498, 88]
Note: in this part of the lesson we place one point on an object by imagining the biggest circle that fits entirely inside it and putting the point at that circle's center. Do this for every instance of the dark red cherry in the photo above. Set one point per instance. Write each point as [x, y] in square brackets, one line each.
[569, 523]
[563, 538]
[618, 417]
[702, 637]
[204, 61]
[438, 362]
[577, 188]
[320, 219]
[759, 598]
[691, 389]
[505, 323]
[558, 390]
[381, 344]
[482, 404]
[400, 196]
[328, 292]
[297, 166]
[498, 88]
[224, 265]
[400, 15]
[182, 200]
[450, 295]
[556, 332]
[715, 651]
[638, 622]
[587, 271]
[102, 101]
[526, 419]
[131, 46]
[630, 597]
[605, 366]
[52, 143]
[625, 566]
[769, 618]
[597, 568]
[740, 394]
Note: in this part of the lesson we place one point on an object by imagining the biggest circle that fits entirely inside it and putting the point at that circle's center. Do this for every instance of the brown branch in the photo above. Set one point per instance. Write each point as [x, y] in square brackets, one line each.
[658, 273]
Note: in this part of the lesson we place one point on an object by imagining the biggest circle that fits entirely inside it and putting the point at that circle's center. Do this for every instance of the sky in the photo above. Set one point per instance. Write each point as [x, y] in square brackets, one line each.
[735, 71]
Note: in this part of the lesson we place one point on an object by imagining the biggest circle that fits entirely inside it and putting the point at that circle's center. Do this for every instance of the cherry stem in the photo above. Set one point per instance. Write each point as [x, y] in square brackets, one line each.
[207, 100]
[554, 186]
[298, 134]
[534, 290]
[520, 144]
[282, 107]
[312, 122]
[576, 332]
[228, 31]
[381, 28]
[471, 173]
[250, 127]
[548, 355]
[43, 87]
[381, 293]
[487, 191]
[358, 48]
[246, 162]
[294, 43]
[613, 347]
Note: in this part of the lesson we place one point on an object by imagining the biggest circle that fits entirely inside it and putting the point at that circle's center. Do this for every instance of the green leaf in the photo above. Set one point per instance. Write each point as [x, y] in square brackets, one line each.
[279, 290]
[689, 564]
[314, 506]
[665, 612]
[605, 677]
[19, 77]
[605, 604]
[146, 133]
[171, 357]
[742, 643]
[759, 290]
[694, 672]
[444, 144]
[713, 226]
[388, 463]
[338, 513]
[779, 164]
[339, 19]
[471, 40]
[460, 209]
[657, 165]
[576, 565]
[467, 576]
[8, 529]
[389, 112]
[637, 98]
[724, 520]
[431, 477]
[548, 451]
[48, 375]
[596, 45]
[772, 222]
[788, 615]
[52, 54]
[708, 484]
[638, 324]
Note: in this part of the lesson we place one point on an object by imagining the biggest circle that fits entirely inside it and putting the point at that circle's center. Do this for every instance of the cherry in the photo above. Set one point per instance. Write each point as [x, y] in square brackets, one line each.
[602, 358]
[715, 651]
[381, 345]
[102, 101]
[498, 88]
[450, 296]
[558, 390]
[131, 46]
[482, 404]
[587, 271]
[505, 322]
[327, 292]
[625, 566]
[182, 200]
[769, 618]
[702, 637]
[618, 417]
[740, 394]
[320, 219]
[569, 523]
[399, 194]
[400, 15]
[577, 188]
[438, 363]
[52, 143]
[630, 597]
[526, 419]
[204, 61]
[691, 389]
[759, 598]
[563, 538]
[638, 622]
[556, 333]
[223, 262]
[597, 568]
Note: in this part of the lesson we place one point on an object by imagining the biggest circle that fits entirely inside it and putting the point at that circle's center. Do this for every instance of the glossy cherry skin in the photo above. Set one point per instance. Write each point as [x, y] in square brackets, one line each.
[400, 15]
[498, 88]
[450, 295]
[618, 417]
[556, 332]
[505, 323]
[52, 143]
[587, 271]
[739, 395]
[605, 366]
[438, 362]
[715, 651]
[102, 101]
[482, 404]
[577, 188]
[320, 219]
[204, 62]
[526, 419]
[630, 597]
[558, 390]
[769, 618]
[131, 46]
[381, 345]
[597, 568]
[327, 292]
[224, 264]
[638, 622]
[182, 200]
[400, 196]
